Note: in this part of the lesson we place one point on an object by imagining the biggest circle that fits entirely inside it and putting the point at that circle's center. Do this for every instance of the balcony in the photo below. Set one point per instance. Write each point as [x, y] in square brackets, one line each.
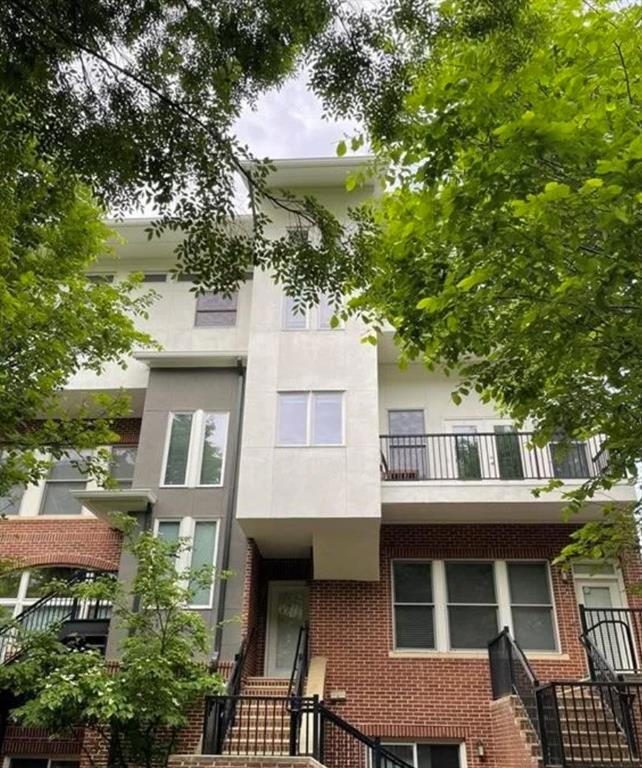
[489, 476]
[486, 456]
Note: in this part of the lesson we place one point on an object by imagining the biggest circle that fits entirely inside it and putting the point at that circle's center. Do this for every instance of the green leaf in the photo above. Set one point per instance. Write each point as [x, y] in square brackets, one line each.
[341, 148]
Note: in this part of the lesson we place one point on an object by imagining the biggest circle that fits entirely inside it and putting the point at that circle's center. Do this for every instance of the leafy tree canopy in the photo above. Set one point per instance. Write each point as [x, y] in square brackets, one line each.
[507, 244]
[139, 97]
[138, 707]
[53, 320]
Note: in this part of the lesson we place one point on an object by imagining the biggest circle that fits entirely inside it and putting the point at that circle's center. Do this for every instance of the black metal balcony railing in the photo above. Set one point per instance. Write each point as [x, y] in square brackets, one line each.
[487, 456]
[56, 611]
[616, 633]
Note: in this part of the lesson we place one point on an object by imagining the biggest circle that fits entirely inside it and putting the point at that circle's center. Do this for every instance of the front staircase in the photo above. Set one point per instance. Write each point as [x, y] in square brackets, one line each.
[262, 722]
[594, 723]
[271, 718]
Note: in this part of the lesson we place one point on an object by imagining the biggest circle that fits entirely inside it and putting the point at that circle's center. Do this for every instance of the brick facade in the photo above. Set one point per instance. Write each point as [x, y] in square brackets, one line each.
[83, 542]
[228, 761]
[439, 697]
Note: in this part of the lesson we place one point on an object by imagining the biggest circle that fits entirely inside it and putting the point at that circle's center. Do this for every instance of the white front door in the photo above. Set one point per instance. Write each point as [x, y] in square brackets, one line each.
[607, 629]
[287, 613]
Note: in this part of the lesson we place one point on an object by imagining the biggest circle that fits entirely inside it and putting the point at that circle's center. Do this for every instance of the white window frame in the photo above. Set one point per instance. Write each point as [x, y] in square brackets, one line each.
[285, 316]
[461, 745]
[195, 448]
[440, 604]
[310, 396]
[186, 531]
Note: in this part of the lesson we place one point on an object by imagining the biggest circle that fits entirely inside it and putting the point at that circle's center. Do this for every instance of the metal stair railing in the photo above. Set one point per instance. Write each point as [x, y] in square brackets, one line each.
[51, 611]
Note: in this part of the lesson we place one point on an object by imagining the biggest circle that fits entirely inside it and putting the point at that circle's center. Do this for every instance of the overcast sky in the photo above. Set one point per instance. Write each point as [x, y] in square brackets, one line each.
[288, 123]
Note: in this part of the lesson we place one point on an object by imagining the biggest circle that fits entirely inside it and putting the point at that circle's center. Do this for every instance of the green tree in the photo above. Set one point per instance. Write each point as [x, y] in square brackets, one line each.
[53, 321]
[137, 707]
[506, 247]
[139, 99]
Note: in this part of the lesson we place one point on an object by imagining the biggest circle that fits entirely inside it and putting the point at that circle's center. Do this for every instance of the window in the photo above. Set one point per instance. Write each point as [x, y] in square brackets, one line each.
[10, 504]
[467, 452]
[407, 456]
[100, 277]
[426, 755]
[63, 477]
[531, 605]
[295, 316]
[299, 235]
[123, 460]
[20, 589]
[460, 605]
[201, 537]
[326, 310]
[570, 461]
[213, 310]
[310, 418]
[154, 277]
[472, 604]
[41, 762]
[413, 604]
[196, 446]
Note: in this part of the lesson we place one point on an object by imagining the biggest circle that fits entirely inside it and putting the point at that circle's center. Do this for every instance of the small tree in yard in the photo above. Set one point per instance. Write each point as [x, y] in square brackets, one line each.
[137, 707]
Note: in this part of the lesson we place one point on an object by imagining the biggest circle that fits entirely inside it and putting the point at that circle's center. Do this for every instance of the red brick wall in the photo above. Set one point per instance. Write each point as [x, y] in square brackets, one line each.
[129, 431]
[82, 542]
[430, 698]
[513, 747]
[195, 761]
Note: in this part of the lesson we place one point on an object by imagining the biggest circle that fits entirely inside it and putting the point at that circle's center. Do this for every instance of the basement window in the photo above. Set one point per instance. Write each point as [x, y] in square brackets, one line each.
[426, 755]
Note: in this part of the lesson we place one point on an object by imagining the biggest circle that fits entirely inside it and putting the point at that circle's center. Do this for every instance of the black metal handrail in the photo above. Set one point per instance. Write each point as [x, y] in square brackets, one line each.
[511, 674]
[488, 456]
[300, 664]
[265, 727]
[49, 613]
[615, 697]
[219, 720]
[612, 630]
[580, 725]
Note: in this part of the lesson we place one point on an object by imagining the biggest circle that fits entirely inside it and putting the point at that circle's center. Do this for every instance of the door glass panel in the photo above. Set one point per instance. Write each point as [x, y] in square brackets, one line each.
[569, 461]
[407, 448]
[509, 457]
[289, 615]
[467, 452]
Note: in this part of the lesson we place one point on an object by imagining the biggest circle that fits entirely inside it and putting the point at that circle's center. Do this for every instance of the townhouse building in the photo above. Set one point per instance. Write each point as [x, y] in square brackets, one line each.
[397, 598]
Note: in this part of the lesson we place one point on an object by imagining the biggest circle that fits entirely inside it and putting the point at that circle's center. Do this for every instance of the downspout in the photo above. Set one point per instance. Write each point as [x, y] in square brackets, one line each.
[229, 512]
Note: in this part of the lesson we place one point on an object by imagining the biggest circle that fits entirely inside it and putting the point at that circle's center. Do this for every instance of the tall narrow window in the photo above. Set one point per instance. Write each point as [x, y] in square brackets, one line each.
[327, 411]
[213, 447]
[195, 453]
[467, 452]
[64, 476]
[531, 606]
[407, 455]
[472, 604]
[202, 555]
[413, 604]
[178, 449]
[326, 311]
[10, 504]
[295, 317]
[123, 461]
[215, 310]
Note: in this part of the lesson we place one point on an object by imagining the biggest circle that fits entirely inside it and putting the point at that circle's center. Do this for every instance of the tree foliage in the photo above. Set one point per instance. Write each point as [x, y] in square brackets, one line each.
[53, 321]
[138, 706]
[507, 245]
[139, 99]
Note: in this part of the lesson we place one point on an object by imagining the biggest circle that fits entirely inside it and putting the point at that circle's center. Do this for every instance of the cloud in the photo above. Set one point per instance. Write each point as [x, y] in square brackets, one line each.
[288, 122]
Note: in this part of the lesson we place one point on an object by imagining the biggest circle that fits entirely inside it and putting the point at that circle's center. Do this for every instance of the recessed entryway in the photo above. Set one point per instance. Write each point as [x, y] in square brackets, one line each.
[287, 613]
